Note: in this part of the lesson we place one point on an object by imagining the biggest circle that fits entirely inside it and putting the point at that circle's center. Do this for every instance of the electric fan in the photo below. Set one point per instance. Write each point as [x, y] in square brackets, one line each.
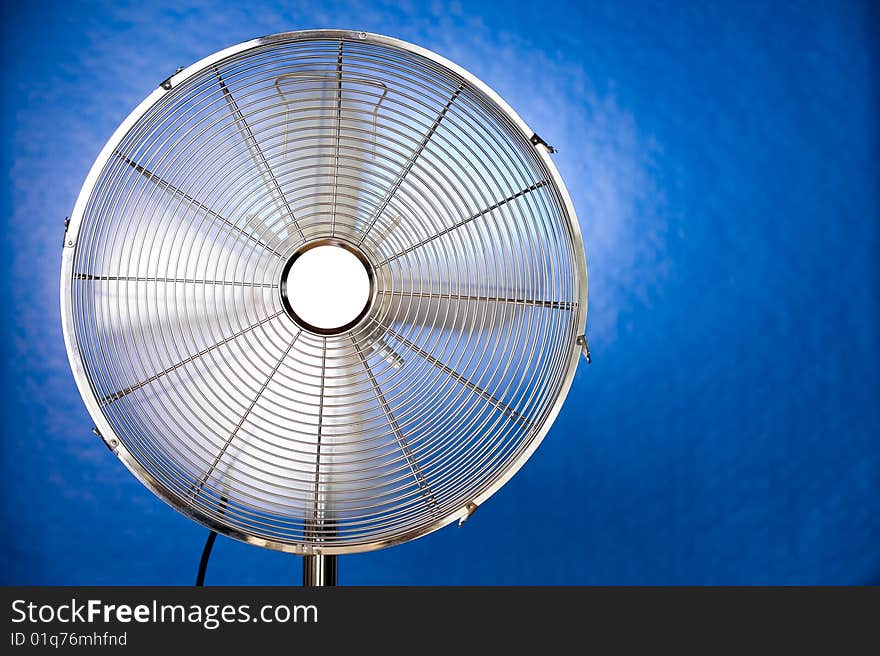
[323, 292]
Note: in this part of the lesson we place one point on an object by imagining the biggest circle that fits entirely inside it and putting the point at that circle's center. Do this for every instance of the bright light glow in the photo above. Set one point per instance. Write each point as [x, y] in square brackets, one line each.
[328, 287]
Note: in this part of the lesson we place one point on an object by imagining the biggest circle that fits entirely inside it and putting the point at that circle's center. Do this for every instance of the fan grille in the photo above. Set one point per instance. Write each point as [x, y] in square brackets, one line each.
[272, 433]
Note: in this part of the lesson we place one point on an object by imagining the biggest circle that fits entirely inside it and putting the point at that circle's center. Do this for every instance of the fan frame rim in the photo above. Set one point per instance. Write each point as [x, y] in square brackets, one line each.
[105, 430]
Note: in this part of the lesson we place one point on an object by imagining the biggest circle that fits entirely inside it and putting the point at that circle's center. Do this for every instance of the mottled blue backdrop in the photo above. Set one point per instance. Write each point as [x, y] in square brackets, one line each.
[723, 158]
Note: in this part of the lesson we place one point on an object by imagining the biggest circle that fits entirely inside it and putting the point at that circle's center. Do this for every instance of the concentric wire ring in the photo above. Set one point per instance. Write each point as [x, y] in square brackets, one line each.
[239, 416]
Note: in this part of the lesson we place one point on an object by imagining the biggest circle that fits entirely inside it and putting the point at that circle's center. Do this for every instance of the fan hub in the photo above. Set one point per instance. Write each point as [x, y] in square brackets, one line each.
[327, 286]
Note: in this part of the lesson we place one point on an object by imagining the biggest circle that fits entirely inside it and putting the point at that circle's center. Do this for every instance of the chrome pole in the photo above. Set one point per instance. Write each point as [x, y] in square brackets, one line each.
[319, 571]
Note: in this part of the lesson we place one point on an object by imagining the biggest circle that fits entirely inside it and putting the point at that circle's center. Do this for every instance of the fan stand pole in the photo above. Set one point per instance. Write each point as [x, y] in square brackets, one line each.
[319, 571]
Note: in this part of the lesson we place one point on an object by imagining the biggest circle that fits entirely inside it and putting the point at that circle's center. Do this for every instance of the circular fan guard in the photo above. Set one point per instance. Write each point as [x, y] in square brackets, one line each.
[248, 421]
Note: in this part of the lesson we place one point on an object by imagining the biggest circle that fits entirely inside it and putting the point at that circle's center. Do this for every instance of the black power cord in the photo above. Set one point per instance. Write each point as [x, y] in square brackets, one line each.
[206, 555]
[209, 546]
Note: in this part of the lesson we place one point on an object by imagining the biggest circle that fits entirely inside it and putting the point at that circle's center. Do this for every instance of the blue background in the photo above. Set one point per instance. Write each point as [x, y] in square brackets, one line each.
[723, 158]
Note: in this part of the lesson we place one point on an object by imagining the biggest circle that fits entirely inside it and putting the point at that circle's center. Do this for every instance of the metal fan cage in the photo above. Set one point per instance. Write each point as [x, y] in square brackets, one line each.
[248, 422]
